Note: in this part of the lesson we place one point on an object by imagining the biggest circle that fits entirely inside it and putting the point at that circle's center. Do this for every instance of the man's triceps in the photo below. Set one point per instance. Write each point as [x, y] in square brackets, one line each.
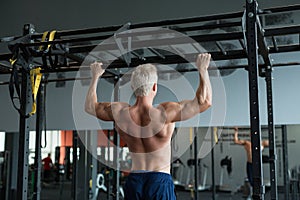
[104, 111]
[185, 110]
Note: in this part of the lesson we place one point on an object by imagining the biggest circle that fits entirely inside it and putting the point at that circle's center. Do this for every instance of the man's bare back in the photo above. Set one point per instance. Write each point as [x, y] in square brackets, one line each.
[147, 136]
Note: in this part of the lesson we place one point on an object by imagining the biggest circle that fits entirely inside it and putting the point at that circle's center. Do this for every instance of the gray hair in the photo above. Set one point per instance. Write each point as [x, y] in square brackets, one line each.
[143, 78]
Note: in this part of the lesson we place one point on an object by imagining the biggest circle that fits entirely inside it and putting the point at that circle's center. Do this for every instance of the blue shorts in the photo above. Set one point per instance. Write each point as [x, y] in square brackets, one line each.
[250, 173]
[149, 186]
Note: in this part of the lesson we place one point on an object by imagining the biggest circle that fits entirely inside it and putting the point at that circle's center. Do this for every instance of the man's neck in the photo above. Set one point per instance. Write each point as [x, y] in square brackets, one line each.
[144, 101]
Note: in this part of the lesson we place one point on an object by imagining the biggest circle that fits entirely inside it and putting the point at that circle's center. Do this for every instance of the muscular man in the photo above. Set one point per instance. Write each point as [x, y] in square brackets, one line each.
[146, 129]
[247, 146]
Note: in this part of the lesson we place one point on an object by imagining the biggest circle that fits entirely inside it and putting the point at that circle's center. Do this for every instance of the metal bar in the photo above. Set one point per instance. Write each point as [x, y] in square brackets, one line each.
[219, 45]
[286, 181]
[252, 46]
[189, 20]
[171, 59]
[286, 30]
[274, 43]
[144, 43]
[282, 9]
[5, 67]
[201, 38]
[137, 55]
[116, 186]
[22, 183]
[74, 166]
[9, 38]
[39, 128]
[262, 44]
[82, 182]
[84, 31]
[284, 49]
[208, 26]
[242, 44]
[109, 181]
[214, 189]
[147, 24]
[167, 71]
[8, 156]
[116, 159]
[196, 163]
[5, 56]
[272, 137]
[94, 163]
[175, 59]
[23, 165]
[156, 53]
[89, 161]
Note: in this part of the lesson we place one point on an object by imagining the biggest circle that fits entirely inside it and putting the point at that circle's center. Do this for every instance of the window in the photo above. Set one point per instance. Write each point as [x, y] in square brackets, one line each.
[2, 141]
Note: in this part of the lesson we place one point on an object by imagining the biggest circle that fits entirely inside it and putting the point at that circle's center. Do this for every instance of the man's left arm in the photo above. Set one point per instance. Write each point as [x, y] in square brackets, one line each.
[186, 109]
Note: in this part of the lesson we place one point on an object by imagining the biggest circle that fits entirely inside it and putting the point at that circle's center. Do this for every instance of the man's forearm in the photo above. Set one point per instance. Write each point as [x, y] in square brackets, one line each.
[204, 91]
[91, 97]
[235, 137]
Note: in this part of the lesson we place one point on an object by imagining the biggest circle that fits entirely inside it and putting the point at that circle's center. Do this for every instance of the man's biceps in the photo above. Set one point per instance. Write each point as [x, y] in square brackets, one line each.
[190, 108]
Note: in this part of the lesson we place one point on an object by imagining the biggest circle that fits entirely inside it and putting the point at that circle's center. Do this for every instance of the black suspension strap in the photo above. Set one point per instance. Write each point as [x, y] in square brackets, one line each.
[14, 84]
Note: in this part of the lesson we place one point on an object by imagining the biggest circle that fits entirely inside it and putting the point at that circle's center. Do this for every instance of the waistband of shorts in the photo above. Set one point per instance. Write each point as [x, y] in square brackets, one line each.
[148, 172]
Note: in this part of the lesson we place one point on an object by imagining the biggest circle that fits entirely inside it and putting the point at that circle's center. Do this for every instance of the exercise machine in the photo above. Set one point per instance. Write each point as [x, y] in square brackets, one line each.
[226, 164]
[190, 182]
[177, 173]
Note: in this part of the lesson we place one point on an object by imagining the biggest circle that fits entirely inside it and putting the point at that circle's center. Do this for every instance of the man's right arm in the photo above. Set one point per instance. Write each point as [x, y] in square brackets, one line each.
[186, 109]
[102, 110]
[236, 138]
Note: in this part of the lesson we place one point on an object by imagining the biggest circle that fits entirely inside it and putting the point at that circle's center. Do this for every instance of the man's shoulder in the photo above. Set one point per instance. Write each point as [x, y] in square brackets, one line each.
[119, 105]
[167, 104]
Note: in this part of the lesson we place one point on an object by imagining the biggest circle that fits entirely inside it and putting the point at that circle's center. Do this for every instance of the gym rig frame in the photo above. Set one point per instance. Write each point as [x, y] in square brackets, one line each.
[253, 43]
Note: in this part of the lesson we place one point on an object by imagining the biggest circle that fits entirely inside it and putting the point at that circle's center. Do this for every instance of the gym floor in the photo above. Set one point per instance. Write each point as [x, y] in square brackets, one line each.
[58, 191]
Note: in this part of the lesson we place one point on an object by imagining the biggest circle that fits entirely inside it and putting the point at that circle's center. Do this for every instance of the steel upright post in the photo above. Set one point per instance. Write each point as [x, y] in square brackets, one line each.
[116, 159]
[196, 163]
[271, 129]
[214, 190]
[286, 180]
[252, 48]
[75, 166]
[39, 127]
[24, 138]
[22, 183]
